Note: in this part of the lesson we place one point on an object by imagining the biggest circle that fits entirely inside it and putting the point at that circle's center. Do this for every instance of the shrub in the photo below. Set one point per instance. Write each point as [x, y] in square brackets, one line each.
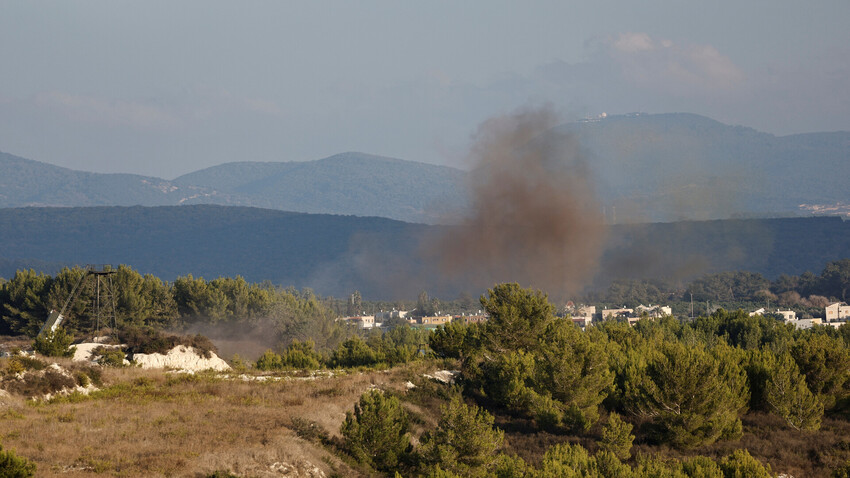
[238, 364]
[147, 340]
[377, 432]
[27, 363]
[40, 383]
[54, 344]
[701, 467]
[13, 466]
[740, 464]
[566, 460]
[464, 442]
[222, 474]
[308, 430]
[109, 356]
[269, 361]
[617, 437]
[354, 352]
[301, 355]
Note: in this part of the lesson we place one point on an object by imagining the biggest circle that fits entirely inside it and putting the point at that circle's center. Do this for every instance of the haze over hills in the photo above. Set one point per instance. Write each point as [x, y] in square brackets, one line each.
[336, 255]
[666, 167]
[646, 168]
[349, 183]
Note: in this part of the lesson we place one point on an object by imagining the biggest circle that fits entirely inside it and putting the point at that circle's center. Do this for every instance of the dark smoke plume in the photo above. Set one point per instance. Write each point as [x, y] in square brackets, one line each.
[534, 218]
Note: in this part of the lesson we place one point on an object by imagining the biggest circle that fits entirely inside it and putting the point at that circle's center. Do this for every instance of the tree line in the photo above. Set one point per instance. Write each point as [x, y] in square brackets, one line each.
[146, 301]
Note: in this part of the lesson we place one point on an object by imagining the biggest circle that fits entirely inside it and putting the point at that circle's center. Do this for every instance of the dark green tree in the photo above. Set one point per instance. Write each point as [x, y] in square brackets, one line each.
[376, 433]
[825, 362]
[617, 437]
[517, 317]
[23, 303]
[836, 279]
[574, 372]
[464, 442]
[787, 395]
[685, 395]
[455, 340]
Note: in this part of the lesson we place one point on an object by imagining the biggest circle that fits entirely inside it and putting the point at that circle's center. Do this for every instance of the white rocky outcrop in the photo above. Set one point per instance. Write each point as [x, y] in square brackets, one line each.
[182, 358]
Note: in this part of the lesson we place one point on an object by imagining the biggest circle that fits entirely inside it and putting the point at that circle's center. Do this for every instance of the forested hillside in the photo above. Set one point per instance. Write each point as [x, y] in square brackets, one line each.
[336, 255]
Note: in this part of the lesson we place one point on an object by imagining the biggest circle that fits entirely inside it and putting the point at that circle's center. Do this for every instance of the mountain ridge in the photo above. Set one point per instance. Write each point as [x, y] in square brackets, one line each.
[646, 168]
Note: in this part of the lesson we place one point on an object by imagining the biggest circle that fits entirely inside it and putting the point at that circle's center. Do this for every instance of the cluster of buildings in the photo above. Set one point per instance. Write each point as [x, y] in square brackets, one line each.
[585, 315]
[835, 315]
[433, 321]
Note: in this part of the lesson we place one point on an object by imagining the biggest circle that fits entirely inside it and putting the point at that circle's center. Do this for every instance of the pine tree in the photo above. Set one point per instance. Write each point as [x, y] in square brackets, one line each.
[377, 432]
[617, 437]
[574, 372]
[464, 442]
[787, 395]
[683, 392]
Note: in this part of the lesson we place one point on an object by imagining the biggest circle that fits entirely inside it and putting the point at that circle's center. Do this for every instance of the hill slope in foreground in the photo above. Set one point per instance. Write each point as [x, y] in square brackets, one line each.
[336, 255]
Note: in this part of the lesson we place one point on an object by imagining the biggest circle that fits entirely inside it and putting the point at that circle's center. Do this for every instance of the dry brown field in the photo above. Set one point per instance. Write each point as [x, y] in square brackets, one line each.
[156, 423]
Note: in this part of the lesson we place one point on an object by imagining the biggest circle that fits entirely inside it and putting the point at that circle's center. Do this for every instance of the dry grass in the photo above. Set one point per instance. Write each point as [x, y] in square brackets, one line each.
[150, 423]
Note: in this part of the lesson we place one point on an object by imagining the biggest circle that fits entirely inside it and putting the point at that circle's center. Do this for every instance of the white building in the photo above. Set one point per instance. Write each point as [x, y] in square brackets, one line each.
[788, 315]
[362, 321]
[654, 311]
[804, 324]
[837, 311]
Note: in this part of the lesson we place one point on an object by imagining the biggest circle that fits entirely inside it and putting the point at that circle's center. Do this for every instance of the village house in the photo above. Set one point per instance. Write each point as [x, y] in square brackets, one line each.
[654, 311]
[788, 315]
[362, 321]
[436, 320]
[803, 324]
[471, 319]
[837, 311]
[583, 315]
[609, 314]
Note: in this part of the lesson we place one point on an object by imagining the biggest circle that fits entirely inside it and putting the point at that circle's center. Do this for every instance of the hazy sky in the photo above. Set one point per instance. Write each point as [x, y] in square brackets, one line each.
[167, 87]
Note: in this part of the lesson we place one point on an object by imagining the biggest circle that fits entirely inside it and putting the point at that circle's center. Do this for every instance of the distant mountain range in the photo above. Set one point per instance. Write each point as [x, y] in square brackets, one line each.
[676, 166]
[350, 183]
[646, 168]
[336, 255]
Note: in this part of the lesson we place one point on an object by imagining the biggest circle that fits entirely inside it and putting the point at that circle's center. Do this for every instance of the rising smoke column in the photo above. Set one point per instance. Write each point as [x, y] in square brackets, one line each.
[534, 218]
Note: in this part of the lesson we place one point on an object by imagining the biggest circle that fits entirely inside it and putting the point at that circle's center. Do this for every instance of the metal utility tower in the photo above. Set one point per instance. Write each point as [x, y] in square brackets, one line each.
[97, 280]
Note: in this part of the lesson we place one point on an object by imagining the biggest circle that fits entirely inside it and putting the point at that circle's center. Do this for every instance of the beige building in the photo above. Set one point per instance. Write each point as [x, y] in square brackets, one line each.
[472, 319]
[788, 315]
[608, 314]
[436, 320]
[362, 321]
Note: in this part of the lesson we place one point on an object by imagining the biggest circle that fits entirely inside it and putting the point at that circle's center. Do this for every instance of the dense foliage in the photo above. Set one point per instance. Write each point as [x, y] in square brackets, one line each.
[145, 305]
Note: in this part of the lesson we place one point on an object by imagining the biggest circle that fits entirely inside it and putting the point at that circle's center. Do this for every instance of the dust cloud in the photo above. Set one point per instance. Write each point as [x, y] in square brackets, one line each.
[534, 218]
